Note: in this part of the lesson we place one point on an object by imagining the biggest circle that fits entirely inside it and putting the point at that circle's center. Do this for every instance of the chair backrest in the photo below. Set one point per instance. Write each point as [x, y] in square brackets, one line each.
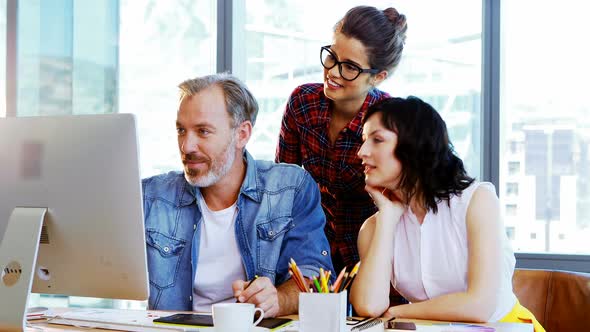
[560, 300]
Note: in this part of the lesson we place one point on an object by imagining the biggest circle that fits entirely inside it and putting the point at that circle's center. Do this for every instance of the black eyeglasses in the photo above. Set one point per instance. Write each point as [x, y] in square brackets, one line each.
[348, 70]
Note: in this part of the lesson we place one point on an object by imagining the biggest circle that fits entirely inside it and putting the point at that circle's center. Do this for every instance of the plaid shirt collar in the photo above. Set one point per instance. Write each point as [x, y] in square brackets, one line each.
[355, 126]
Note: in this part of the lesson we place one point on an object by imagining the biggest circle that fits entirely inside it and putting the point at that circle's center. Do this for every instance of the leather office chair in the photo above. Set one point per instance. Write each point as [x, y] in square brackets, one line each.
[560, 300]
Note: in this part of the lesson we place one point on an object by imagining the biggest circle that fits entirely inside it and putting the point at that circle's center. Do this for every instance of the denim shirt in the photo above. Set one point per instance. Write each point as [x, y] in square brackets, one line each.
[279, 218]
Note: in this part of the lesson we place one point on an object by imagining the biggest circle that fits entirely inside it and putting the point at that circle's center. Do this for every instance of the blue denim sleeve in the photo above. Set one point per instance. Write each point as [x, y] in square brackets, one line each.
[306, 242]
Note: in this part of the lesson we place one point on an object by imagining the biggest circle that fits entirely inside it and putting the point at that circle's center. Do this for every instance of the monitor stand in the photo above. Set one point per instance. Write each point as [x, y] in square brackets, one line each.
[18, 257]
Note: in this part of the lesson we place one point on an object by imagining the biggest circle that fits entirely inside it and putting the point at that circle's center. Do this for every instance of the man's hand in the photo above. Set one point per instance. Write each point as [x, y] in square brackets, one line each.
[261, 292]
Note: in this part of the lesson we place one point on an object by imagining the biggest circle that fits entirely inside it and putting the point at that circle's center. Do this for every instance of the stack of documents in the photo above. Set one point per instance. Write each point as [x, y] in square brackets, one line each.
[116, 319]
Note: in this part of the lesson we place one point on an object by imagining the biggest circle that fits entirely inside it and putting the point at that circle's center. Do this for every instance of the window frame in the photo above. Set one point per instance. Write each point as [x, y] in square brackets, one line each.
[11, 56]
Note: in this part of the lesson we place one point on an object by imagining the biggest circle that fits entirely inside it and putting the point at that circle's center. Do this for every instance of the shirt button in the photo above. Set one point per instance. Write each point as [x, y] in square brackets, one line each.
[166, 249]
[271, 233]
[324, 253]
[190, 298]
[194, 226]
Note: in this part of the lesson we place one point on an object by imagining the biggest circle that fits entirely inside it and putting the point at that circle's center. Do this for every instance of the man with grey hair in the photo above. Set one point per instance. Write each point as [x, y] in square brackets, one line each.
[225, 229]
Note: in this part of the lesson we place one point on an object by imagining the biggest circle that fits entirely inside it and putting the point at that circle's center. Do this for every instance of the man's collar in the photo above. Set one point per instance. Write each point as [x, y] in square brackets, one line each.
[189, 194]
[249, 185]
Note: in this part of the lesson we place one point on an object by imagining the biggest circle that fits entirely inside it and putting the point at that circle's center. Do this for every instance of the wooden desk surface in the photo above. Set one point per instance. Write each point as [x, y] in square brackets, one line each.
[421, 324]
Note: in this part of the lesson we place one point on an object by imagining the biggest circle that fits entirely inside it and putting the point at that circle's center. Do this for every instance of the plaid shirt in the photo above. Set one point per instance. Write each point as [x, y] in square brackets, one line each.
[335, 167]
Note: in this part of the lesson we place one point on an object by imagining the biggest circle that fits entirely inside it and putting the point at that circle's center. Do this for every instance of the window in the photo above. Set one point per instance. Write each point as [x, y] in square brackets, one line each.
[67, 57]
[511, 210]
[515, 147]
[442, 66]
[513, 167]
[544, 122]
[162, 43]
[510, 233]
[511, 189]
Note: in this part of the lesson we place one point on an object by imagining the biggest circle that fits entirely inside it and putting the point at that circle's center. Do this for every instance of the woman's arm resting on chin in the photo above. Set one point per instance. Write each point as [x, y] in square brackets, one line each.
[370, 291]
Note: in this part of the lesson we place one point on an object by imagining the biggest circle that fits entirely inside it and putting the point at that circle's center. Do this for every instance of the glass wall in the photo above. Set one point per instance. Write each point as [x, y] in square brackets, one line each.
[80, 57]
[441, 61]
[545, 129]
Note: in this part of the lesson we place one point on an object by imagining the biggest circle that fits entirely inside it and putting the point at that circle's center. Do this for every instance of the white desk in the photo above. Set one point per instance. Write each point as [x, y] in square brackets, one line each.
[421, 325]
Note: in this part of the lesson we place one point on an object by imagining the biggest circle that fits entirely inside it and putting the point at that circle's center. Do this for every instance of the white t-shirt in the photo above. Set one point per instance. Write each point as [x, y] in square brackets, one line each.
[220, 262]
[430, 260]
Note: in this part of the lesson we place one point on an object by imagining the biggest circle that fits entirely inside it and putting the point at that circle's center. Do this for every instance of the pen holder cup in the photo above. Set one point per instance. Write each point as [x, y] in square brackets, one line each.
[322, 312]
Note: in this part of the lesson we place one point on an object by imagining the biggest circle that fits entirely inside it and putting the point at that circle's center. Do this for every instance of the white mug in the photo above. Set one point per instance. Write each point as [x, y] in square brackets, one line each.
[235, 317]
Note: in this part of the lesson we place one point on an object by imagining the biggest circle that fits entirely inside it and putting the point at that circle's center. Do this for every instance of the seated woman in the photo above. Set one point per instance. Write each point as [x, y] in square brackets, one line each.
[438, 236]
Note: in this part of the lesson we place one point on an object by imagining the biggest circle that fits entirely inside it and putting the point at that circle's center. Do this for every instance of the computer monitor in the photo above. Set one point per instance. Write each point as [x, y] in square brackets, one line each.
[77, 177]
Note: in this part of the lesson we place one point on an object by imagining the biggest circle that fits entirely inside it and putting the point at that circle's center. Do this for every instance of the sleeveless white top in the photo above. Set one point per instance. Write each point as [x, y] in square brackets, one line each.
[430, 260]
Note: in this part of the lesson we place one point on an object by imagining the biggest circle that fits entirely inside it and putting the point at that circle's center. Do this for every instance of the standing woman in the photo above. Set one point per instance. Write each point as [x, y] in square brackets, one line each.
[438, 236]
[321, 127]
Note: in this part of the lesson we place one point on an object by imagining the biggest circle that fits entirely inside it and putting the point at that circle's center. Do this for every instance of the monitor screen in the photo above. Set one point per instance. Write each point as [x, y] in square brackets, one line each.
[84, 170]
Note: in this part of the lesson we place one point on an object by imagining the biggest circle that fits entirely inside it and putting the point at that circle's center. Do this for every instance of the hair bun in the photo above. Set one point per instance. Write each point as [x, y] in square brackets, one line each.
[381, 32]
[397, 19]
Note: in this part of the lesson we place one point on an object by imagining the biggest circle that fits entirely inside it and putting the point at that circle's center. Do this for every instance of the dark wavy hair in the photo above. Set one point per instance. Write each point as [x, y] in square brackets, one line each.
[430, 167]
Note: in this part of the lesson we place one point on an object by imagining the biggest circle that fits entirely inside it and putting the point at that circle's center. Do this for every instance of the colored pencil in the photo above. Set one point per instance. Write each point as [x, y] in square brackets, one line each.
[338, 280]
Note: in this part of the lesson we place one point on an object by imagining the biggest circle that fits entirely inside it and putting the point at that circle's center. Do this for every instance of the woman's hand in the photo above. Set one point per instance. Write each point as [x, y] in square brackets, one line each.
[386, 201]
[389, 314]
